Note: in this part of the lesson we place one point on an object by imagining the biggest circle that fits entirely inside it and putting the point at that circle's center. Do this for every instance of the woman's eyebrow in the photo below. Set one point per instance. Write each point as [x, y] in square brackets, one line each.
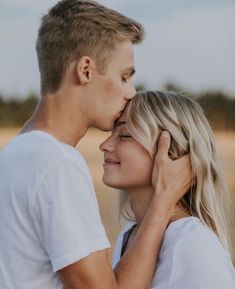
[119, 123]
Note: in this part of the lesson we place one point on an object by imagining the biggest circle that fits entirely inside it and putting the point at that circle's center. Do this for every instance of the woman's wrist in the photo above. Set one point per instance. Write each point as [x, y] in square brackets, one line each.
[159, 211]
[164, 201]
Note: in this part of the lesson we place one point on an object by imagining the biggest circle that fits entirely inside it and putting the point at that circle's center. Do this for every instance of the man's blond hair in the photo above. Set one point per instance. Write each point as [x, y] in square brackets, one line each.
[73, 29]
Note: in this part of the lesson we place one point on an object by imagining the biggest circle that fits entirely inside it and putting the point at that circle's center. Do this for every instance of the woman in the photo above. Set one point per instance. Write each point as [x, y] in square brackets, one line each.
[196, 249]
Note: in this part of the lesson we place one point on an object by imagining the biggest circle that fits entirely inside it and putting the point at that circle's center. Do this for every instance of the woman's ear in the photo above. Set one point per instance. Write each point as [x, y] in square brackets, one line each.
[84, 69]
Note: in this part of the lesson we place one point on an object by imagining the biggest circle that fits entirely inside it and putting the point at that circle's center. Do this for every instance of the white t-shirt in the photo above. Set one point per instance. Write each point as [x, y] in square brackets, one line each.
[191, 257]
[49, 216]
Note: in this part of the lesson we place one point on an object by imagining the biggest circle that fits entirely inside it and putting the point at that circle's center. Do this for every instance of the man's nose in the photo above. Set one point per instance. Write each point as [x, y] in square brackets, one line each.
[132, 92]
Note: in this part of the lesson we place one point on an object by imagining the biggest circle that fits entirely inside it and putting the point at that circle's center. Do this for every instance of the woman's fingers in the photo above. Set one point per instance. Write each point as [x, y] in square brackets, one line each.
[163, 146]
[170, 178]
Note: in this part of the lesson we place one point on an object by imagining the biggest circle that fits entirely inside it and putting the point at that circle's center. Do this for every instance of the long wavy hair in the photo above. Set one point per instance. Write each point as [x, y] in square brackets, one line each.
[151, 112]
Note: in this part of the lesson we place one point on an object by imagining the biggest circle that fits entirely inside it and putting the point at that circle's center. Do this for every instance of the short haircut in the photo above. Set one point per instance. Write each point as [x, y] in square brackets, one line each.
[75, 28]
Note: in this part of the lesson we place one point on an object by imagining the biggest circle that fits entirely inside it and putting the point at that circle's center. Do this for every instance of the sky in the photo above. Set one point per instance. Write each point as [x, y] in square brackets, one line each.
[188, 42]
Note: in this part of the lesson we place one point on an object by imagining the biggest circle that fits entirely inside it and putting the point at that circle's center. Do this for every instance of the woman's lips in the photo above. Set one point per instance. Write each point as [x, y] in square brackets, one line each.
[111, 162]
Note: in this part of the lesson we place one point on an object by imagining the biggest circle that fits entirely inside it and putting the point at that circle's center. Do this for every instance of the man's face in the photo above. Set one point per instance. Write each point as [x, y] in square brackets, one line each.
[114, 87]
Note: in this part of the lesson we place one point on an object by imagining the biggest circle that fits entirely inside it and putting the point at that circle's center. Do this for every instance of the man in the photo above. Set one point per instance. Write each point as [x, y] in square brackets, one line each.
[50, 229]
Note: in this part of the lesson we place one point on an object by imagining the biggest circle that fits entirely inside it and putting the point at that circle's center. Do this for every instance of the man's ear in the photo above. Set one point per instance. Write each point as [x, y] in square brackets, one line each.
[84, 69]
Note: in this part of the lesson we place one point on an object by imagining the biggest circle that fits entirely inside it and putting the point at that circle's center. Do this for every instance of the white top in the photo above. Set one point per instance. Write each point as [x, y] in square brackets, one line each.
[49, 216]
[191, 257]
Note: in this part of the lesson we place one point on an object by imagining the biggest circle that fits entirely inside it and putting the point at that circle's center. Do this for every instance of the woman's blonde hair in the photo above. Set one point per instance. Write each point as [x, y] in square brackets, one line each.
[151, 112]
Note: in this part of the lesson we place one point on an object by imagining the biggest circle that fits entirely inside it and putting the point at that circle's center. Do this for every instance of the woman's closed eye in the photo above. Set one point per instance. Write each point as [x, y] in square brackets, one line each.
[124, 136]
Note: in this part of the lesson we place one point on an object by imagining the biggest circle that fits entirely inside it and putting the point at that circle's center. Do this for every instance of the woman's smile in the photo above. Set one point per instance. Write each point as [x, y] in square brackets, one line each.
[110, 161]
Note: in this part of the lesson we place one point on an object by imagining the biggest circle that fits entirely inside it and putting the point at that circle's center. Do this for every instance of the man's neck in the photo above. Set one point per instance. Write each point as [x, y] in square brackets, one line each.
[54, 117]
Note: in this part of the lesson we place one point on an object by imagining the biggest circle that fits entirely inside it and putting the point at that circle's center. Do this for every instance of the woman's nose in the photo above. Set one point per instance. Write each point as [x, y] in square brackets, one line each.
[108, 145]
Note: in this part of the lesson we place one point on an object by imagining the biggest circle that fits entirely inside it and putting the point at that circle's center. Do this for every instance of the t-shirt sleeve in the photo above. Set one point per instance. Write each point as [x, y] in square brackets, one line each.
[200, 262]
[66, 216]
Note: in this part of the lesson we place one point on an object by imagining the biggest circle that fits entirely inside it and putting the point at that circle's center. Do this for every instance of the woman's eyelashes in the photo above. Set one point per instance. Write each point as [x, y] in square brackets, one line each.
[124, 135]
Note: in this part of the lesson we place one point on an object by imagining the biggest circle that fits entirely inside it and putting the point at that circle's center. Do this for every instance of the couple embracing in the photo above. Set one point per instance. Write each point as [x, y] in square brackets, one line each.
[160, 154]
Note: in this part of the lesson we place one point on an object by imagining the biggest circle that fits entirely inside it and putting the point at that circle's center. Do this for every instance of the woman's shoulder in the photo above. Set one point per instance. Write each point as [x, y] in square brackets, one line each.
[124, 229]
[127, 226]
[119, 241]
[188, 228]
[193, 238]
[198, 253]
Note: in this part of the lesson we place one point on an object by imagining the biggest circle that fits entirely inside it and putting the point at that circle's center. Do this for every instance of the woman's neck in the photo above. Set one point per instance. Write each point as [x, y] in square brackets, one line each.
[140, 199]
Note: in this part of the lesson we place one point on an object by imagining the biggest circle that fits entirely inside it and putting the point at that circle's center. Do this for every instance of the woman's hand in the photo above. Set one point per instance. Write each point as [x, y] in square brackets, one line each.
[171, 179]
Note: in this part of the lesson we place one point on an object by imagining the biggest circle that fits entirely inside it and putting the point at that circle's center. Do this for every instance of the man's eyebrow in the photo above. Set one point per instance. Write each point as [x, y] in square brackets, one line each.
[130, 71]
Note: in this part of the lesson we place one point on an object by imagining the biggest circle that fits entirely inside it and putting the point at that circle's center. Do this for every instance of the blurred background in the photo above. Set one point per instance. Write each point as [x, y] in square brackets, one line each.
[189, 47]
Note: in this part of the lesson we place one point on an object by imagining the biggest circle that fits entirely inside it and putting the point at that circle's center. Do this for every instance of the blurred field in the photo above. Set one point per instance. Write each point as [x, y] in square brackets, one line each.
[108, 197]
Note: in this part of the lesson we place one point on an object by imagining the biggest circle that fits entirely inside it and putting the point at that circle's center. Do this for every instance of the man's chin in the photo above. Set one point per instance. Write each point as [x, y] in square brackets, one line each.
[106, 127]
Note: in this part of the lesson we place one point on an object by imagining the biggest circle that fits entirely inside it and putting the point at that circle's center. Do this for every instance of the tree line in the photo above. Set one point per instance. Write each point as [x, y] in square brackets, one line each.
[218, 106]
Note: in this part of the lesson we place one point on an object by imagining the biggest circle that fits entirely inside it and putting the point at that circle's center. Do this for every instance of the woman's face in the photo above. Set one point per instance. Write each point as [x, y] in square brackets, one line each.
[127, 164]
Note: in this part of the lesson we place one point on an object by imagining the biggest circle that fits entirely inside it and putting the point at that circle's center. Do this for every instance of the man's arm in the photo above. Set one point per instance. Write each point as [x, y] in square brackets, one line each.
[135, 270]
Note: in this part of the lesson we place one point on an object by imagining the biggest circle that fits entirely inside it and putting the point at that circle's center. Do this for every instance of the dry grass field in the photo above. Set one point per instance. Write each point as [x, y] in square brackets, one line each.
[108, 197]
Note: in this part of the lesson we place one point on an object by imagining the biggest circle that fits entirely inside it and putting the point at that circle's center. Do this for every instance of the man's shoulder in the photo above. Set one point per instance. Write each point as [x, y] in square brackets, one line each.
[35, 154]
[44, 149]
[43, 142]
